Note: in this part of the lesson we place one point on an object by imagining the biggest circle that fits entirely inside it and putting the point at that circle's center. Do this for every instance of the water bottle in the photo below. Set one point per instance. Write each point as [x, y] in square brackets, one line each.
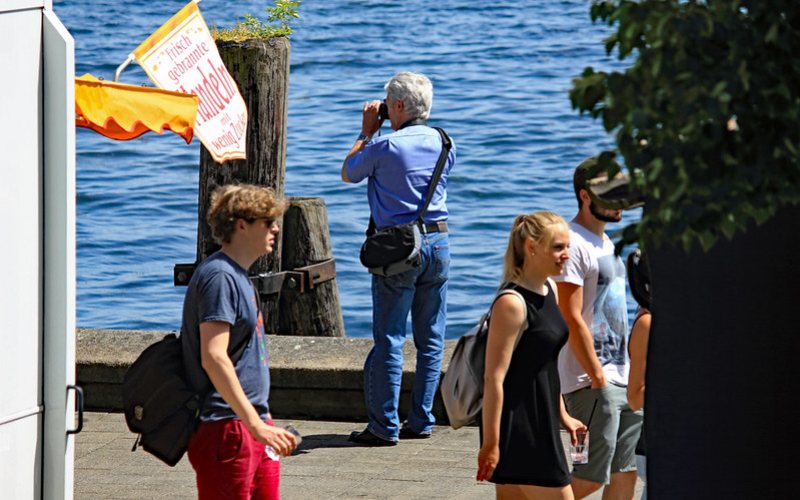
[272, 454]
[270, 451]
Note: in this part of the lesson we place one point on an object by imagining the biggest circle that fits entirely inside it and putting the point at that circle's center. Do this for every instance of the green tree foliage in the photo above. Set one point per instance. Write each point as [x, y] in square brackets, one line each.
[707, 117]
[278, 23]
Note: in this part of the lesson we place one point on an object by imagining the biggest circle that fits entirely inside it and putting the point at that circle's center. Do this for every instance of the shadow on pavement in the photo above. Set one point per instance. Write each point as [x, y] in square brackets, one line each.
[314, 441]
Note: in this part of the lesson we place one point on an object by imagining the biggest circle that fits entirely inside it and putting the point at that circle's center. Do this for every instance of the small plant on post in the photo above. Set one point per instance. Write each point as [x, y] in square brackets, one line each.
[256, 54]
[252, 27]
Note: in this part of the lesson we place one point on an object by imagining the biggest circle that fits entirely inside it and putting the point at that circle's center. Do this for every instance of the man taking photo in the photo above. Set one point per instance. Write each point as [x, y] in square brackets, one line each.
[398, 168]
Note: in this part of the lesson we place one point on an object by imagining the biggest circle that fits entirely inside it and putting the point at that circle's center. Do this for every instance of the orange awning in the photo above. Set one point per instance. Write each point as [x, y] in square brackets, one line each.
[124, 112]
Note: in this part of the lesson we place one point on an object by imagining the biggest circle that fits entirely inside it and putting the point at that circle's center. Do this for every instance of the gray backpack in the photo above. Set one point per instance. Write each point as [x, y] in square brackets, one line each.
[462, 384]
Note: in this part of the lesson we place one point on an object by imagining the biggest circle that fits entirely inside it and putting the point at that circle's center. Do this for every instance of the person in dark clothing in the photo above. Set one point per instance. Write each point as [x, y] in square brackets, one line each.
[521, 450]
[639, 281]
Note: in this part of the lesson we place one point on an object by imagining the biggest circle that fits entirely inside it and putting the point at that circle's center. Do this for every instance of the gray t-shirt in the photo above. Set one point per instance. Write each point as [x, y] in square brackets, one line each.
[593, 266]
[220, 290]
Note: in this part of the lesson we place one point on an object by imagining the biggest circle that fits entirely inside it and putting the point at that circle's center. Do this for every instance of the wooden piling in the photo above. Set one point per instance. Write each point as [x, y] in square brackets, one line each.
[261, 70]
[306, 241]
[303, 307]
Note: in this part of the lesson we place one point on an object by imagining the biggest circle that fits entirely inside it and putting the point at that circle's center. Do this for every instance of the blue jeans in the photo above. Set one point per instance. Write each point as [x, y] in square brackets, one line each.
[423, 292]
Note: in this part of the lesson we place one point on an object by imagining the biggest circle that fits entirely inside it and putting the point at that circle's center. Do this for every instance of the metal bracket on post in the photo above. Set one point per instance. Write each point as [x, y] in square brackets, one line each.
[300, 280]
[292, 280]
[182, 273]
[268, 283]
[317, 273]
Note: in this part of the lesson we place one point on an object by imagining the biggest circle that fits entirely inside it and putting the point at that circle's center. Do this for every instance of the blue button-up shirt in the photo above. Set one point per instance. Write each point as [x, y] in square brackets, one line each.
[399, 167]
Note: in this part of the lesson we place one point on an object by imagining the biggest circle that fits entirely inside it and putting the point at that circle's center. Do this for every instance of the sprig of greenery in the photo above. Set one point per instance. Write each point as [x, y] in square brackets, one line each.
[707, 113]
[252, 27]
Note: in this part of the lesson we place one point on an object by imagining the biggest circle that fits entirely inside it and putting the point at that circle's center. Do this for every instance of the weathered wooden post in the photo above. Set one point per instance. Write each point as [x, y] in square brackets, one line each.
[310, 305]
[299, 295]
[261, 70]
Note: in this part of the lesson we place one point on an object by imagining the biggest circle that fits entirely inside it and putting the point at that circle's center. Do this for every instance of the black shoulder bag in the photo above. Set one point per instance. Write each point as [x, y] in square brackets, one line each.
[396, 249]
[160, 403]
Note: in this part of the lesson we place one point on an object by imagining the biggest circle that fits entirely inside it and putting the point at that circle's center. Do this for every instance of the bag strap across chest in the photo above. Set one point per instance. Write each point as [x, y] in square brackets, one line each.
[447, 145]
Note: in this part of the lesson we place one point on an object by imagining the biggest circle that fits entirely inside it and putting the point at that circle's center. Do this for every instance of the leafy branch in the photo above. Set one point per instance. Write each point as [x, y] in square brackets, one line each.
[706, 116]
[278, 24]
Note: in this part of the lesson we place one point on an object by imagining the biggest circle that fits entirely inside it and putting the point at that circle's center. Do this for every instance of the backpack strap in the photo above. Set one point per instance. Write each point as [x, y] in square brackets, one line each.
[511, 291]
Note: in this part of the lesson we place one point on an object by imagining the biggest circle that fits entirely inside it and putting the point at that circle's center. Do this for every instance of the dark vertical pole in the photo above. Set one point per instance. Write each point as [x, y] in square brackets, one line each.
[721, 405]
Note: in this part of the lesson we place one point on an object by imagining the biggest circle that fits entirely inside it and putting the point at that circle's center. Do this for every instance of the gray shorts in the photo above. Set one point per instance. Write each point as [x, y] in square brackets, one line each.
[613, 431]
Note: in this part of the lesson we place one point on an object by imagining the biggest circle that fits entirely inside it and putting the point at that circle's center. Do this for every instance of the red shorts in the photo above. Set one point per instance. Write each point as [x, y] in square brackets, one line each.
[230, 464]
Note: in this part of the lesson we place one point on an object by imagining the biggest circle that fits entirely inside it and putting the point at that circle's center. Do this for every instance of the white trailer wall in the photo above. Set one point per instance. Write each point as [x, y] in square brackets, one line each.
[37, 255]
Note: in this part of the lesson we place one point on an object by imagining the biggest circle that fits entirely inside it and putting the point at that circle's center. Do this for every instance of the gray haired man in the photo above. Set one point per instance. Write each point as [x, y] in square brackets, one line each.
[398, 168]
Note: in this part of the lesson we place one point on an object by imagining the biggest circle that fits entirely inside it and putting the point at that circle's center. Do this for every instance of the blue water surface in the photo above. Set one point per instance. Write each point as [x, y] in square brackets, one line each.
[501, 72]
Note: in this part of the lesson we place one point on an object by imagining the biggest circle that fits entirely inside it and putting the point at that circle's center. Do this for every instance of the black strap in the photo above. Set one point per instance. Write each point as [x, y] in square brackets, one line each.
[447, 145]
[412, 122]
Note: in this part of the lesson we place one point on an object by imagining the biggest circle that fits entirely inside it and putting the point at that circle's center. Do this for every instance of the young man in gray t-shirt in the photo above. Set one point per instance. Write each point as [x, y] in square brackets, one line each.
[227, 450]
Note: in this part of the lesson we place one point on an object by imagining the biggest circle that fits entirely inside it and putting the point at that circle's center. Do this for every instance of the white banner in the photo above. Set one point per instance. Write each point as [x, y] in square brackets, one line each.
[182, 56]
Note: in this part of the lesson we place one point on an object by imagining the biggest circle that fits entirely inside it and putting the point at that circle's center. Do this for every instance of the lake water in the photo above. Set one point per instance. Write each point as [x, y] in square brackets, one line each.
[501, 72]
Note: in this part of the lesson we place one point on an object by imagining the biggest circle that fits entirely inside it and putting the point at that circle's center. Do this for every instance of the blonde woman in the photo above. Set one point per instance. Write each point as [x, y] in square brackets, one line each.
[521, 450]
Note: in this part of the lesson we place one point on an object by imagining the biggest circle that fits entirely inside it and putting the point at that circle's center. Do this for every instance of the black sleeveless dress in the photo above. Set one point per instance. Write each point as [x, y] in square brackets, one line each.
[530, 442]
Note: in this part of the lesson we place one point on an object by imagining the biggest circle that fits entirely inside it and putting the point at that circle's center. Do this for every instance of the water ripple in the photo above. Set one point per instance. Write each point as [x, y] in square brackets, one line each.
[501, 73]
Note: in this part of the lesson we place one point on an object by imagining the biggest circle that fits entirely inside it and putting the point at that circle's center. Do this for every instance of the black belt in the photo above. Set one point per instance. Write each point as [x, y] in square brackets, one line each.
[434, 227]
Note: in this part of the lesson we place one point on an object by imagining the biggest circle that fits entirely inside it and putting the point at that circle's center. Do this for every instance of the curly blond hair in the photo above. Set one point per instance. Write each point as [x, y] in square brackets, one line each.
[241, 201]
[538, 226]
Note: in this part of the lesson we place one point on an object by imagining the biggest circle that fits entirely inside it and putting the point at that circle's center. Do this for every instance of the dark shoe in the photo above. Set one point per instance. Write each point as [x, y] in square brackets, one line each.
[406, 433]
[366, 438]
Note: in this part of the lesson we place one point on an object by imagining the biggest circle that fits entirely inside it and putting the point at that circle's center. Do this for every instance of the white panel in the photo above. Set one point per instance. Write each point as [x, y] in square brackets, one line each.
[20, 296]
[9, 5]
[59, 255]
[20, 201]
[19, 458]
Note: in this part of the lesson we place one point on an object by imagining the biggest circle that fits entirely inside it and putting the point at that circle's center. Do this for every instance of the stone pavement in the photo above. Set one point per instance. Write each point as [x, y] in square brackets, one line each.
[325, 466]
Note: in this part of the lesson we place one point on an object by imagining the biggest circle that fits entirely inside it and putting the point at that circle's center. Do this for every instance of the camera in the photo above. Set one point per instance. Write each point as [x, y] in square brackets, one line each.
[383, 111]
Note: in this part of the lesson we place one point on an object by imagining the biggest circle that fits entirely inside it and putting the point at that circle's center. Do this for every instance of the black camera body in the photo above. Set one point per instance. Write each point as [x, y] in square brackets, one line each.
[383, 111]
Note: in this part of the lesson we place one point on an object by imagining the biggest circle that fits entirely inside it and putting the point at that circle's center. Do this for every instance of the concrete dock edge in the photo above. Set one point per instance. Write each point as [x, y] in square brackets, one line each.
[311, 377]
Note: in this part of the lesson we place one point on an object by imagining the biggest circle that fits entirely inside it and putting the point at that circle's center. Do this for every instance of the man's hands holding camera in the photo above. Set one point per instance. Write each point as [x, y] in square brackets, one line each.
[370, 120]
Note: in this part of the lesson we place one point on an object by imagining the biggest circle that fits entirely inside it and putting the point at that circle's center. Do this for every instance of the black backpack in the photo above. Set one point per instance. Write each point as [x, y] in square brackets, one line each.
[159, 403]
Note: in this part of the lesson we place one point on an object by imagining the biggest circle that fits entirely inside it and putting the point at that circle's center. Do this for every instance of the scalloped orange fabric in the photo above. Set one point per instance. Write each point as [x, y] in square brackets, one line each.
[124, 112]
